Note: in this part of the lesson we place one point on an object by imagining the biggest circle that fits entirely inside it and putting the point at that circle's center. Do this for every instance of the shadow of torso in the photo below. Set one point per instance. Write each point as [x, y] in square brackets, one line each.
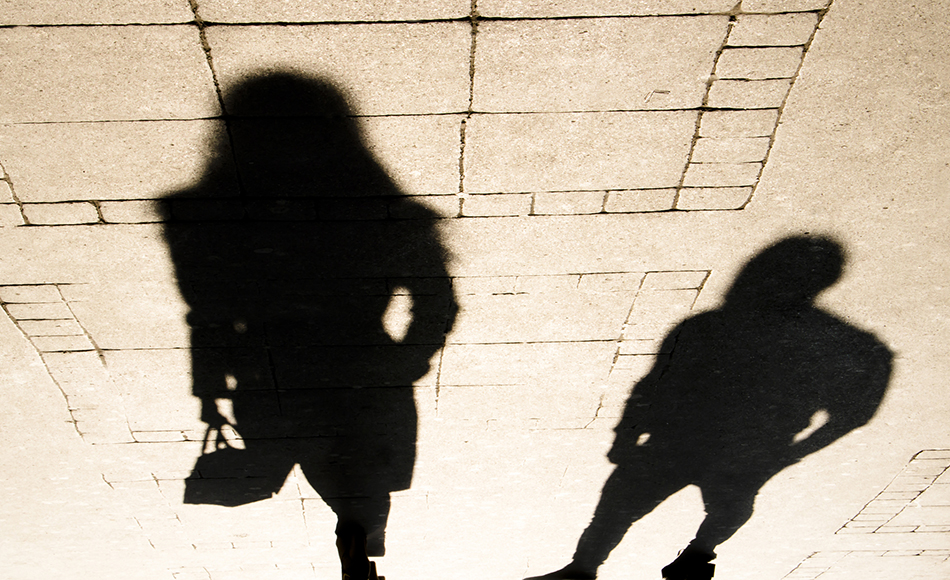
[751, 391]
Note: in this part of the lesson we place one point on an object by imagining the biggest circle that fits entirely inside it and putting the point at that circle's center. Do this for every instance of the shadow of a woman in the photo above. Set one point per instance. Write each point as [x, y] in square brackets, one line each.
[288, 266]
[748, 389]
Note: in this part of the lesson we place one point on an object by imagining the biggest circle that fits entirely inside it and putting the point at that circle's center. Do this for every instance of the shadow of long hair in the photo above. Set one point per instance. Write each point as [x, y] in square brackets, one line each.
[287, 258]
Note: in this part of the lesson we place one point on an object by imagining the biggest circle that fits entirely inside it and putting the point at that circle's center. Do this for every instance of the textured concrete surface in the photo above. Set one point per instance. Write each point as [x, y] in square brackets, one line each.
[598, 171]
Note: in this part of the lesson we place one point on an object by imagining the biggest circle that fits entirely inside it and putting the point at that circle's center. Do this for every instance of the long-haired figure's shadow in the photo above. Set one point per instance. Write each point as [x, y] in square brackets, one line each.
[288, 263]
[746, 390]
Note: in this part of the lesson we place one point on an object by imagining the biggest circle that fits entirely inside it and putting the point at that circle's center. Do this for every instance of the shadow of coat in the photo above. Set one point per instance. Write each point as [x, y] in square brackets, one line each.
[288, 263]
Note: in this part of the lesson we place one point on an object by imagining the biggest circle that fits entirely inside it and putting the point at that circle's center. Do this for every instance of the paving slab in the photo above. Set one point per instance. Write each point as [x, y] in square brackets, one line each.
[107, 161]
[131, 72]
[539, 9]
[587, 151]
[384, 69]
[573, 65]
[773, 30]
[95, 12]
[334, 11]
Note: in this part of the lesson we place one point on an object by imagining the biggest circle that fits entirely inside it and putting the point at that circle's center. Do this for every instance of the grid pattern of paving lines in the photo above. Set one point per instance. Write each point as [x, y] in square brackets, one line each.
[479, 110]
[916, 501]
[269, 538]
[863, 564]
[44, 316]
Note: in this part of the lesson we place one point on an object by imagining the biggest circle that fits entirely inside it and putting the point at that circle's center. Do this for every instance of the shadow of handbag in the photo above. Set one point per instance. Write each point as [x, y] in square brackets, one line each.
[228, 476]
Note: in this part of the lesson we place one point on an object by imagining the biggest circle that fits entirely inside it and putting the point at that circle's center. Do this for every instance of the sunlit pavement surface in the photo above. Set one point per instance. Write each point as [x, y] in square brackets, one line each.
[600, 171]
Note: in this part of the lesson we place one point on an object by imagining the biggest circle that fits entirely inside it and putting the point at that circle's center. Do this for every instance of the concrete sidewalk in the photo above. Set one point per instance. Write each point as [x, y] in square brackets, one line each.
[598, 171]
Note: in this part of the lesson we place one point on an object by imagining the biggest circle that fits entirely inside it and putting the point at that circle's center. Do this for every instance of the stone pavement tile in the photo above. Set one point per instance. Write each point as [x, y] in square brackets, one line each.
[51, 327]
[934, 454]
[568, 202]
[679, 280]
[518, 364]
[759, 63]
[536, 317]
[30, 294]
[643, 200]
[95, 12]
[910, 483]
[772, 30]
[10, 215]
[61, 343]
[496, 205]
[923, 515]
[422, 206]
[40, 311]
[572, 65]
[784, 5]
[129, 212]
[576, 151]
[540, 8]
[726, 94]
[557, 283]
[730, 149]
[639, 346]
[749, 123]
[102, 161]
[331, 10]
[711, 198]
[859, 565]
[610, 282]
[109, 73]
[926, 466]
[381, 68]
[60, 213]
[721, 174]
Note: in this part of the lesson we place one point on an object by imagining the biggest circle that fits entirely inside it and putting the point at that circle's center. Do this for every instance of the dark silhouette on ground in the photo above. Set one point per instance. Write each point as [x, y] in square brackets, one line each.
[747, 390]
[287, 259]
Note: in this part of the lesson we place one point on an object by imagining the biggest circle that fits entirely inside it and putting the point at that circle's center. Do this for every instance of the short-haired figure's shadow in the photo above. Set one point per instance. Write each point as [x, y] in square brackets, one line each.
[288, 264]
[745, 391]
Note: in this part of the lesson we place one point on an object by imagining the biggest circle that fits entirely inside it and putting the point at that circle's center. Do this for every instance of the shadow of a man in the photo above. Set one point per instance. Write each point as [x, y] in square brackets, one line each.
[288, 264]
[747, 390]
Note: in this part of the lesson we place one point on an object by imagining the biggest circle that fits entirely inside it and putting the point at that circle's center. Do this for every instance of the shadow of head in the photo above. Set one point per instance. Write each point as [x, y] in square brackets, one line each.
[788, 274]
[285, 136]
[285, 94]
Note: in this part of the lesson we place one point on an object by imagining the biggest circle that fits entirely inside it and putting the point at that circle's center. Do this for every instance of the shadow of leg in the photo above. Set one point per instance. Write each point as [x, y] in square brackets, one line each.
[629, 494]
